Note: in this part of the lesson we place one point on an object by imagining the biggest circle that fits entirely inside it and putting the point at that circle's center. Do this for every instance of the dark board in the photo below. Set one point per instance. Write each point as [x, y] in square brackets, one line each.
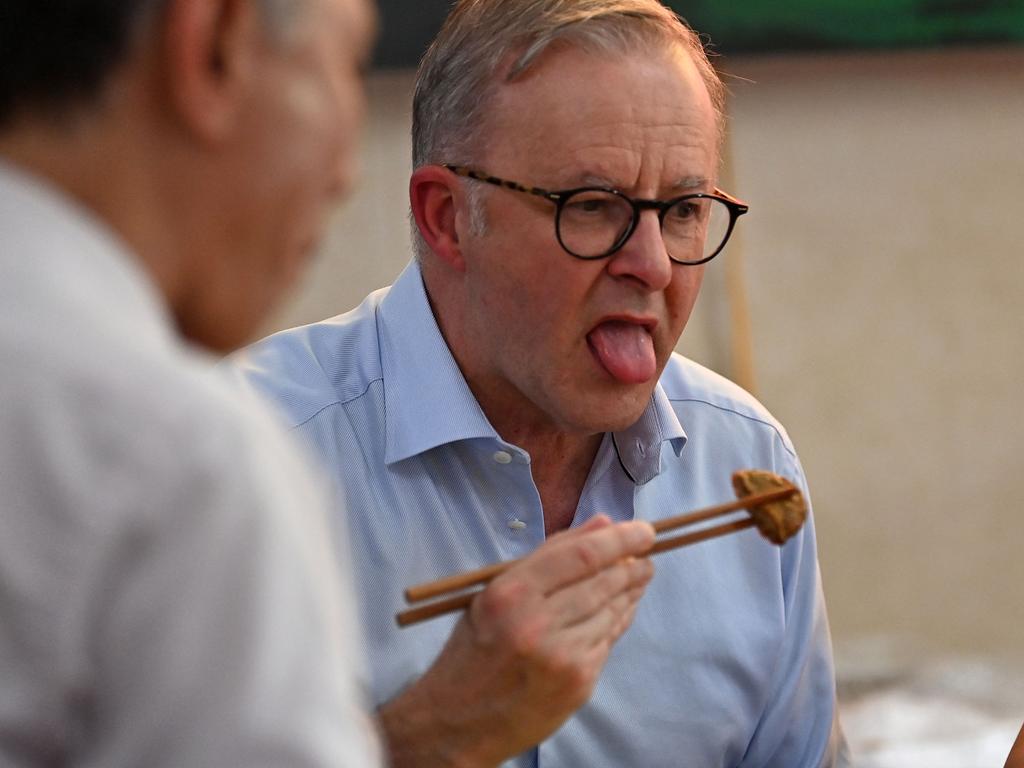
[764, 26]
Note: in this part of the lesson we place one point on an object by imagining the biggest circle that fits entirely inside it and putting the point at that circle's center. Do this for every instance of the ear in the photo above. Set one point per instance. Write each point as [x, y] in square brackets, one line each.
[210, 51]
[437, 200]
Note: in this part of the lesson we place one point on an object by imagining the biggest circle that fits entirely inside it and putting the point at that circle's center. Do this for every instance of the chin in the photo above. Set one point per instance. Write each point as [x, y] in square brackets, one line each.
[222, 339]
[222, 330]
[612, 412]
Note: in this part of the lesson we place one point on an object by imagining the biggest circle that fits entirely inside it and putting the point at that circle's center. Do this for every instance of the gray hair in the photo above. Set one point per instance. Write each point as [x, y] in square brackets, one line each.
[459, 73]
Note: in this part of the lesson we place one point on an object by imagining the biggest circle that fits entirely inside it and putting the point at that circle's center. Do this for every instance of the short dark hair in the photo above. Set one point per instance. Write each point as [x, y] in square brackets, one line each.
[55, 55]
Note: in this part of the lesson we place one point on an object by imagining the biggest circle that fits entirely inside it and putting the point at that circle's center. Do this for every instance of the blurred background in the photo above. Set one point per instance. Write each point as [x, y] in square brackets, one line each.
[872, 299]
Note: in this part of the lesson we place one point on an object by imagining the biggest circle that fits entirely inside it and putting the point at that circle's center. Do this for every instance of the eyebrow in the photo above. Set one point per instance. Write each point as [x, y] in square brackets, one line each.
[690, 183]
[683, 185]
[592, 179]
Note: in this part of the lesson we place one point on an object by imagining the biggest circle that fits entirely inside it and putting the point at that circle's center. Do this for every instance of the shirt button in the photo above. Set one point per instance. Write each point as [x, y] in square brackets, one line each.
[503, 457]
[516, 524]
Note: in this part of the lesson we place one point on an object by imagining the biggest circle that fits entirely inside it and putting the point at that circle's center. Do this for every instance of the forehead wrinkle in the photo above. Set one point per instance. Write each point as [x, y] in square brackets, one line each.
[682, 165]
[682, 136]
[638, 130]
[639, 144]
[624, 121]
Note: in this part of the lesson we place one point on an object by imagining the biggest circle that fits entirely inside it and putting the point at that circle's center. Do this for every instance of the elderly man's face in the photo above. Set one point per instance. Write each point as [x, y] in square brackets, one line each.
[580, 344]
[295, 154]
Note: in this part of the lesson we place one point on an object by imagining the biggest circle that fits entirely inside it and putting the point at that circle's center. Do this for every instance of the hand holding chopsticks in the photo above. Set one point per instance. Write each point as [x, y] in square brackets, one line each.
[533, 647]
[778, 512]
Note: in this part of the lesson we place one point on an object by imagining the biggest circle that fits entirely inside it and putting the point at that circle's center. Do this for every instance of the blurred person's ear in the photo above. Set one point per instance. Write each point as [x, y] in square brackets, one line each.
[437, 200]
[210, 52]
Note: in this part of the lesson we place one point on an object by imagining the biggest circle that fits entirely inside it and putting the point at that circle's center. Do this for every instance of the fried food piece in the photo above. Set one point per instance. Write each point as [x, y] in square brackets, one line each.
[777, 520]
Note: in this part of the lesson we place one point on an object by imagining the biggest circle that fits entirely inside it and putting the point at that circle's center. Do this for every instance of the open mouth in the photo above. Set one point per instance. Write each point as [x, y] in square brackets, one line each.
[625, 349]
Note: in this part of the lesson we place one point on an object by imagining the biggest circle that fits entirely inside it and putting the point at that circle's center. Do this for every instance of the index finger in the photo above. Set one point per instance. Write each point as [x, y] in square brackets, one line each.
[564, 561]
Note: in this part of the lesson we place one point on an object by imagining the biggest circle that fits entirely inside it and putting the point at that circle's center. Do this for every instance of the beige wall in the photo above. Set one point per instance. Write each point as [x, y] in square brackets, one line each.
[887, 283]
[885, 278]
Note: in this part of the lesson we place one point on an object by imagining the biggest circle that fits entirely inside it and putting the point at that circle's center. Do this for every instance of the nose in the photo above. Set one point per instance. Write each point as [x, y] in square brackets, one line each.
[341, 170]
[344, 161]
[643, 257]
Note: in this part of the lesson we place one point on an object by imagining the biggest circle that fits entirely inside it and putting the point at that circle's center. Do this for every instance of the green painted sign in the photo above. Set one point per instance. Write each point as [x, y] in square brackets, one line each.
[739, 26]
[778, 25]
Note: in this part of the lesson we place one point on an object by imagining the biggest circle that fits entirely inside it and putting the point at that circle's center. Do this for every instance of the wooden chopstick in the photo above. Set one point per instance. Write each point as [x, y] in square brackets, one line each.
[674, 542]
[463, 599]
[466, 579]
[456, 582]
[756, 500]
[483, 575]
[437, 608]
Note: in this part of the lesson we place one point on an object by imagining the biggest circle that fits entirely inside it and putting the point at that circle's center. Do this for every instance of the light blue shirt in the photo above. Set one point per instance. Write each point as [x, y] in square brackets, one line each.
[728, 662]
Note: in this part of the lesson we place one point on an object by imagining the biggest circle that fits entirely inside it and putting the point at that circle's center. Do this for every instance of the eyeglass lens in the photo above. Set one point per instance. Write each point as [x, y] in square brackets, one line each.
[592, 222]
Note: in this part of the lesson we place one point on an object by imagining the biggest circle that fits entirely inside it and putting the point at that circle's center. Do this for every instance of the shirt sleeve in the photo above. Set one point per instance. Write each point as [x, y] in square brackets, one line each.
[800, 727]
[224, 634]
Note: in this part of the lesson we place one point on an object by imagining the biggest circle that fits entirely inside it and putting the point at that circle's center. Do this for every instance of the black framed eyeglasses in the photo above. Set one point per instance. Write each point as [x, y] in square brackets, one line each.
[595, 222]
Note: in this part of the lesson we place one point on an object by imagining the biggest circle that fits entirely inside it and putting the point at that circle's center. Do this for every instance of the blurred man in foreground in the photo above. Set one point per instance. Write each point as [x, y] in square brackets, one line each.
[166, 594]
[515, 394]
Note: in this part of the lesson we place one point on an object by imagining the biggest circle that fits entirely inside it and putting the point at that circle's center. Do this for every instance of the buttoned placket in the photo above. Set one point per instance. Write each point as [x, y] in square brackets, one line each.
[521, 516]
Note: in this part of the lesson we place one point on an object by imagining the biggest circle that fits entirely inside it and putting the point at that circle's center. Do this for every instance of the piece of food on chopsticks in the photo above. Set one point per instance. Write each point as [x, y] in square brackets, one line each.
[777, 520]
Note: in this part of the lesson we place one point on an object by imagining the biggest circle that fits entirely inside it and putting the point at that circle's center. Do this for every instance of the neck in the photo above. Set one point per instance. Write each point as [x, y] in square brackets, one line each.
[560, 463]
[560, 457]
[98, 171]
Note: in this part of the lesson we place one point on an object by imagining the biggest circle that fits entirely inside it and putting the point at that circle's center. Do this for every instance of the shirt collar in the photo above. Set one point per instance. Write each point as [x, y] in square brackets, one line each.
[427, 400]
[639, 446]
[428, 403]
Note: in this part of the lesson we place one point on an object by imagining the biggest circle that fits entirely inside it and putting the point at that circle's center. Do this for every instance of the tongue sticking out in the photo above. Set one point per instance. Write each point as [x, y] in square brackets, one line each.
[626, 350]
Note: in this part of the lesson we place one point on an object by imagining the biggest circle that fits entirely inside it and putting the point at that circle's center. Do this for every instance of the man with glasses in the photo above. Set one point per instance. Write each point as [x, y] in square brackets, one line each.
[515, 395]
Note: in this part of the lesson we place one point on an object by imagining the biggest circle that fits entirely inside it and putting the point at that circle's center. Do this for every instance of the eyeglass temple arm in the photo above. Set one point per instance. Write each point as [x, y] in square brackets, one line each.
[461, 170]
[731, 198]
